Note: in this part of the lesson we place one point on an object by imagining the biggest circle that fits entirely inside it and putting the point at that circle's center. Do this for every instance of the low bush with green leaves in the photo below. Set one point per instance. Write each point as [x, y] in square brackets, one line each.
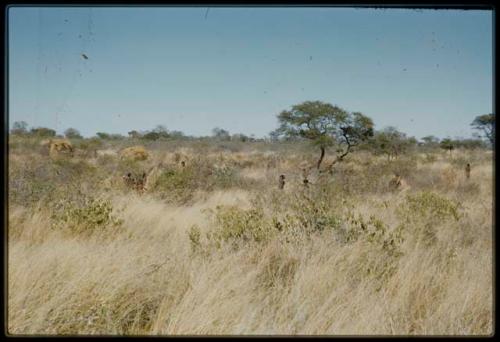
[422, 214]
[288, 217]
[431, 206]
[84, 216]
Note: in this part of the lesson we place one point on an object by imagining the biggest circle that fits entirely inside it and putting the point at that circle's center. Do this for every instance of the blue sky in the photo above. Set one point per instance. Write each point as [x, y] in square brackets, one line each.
[424, 72]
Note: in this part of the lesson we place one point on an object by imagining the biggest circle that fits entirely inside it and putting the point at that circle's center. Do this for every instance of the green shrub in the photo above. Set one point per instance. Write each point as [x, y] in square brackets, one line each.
[429, 205]
[176, 185]
[423, 213]
[233, 223]
[87, 215]
[224, 177]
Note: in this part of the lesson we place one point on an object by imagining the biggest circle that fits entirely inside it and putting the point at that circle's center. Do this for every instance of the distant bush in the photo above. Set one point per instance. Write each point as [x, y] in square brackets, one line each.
[72, 133]
[43, 132]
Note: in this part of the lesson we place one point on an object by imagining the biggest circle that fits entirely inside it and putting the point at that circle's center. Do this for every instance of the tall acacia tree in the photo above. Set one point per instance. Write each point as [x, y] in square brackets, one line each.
[325, 125]
[486, 124]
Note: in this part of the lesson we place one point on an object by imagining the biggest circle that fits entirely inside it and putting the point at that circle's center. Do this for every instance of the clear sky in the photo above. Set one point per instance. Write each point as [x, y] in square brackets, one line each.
[192, 69]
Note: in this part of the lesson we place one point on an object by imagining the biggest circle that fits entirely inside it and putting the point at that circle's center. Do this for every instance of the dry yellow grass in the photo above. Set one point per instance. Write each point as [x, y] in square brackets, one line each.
[145, 279]
[135, 153]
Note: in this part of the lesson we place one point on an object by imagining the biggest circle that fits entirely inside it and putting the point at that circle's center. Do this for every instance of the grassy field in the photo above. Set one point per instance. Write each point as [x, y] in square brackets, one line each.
[215, 247]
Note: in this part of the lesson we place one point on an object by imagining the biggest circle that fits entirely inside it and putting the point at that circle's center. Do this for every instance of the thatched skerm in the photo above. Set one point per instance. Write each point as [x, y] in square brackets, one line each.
[58, 147]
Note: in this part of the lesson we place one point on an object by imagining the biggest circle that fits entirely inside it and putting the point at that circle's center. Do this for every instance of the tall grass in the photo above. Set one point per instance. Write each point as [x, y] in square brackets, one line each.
[346, 256]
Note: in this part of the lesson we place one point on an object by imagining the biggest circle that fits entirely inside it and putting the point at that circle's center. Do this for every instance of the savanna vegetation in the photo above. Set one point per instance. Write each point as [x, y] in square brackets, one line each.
[208, 243]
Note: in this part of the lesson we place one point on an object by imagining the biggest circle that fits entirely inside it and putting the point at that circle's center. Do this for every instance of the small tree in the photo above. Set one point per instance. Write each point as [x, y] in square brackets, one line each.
[161, 132]
[102, 135]
[485, 124]
[134, 134]
[43, 132]
[325, 125]
[176, 135]
[430, 141]
[447, 144]
[116, 136]
[392, 142]
[94, 144]
[19, 127]
[274, 136]
[72, 133]
[90, 146]
[240, 137]
[221, 134]
[151, 136]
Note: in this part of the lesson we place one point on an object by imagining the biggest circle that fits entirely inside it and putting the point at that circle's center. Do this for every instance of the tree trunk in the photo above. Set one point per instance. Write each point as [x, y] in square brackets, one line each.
[321, 157]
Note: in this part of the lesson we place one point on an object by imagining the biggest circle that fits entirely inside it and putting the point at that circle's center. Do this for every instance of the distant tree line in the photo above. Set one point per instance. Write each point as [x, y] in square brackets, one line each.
[328, 126]
[323, 124]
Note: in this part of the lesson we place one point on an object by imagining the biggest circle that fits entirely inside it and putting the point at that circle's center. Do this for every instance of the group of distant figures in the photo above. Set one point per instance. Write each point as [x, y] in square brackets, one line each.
[138, 183]
[281, 184]
[396, 183]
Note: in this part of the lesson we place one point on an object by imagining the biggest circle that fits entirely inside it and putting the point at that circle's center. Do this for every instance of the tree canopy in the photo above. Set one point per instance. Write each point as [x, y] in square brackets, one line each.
[392, 142]
[485, 124]
[447, 144]
[19, 127]
[325, 125]
[72, 133]
[221, 134]
[43, 132]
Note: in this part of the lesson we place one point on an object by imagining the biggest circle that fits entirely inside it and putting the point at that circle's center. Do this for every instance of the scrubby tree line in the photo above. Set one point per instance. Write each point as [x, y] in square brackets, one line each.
[325, 125]
[160, 132]
[329, 126]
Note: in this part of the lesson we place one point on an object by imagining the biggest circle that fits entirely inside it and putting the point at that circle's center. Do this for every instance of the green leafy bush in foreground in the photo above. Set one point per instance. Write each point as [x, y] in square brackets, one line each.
[422, 214]
[85, 216]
